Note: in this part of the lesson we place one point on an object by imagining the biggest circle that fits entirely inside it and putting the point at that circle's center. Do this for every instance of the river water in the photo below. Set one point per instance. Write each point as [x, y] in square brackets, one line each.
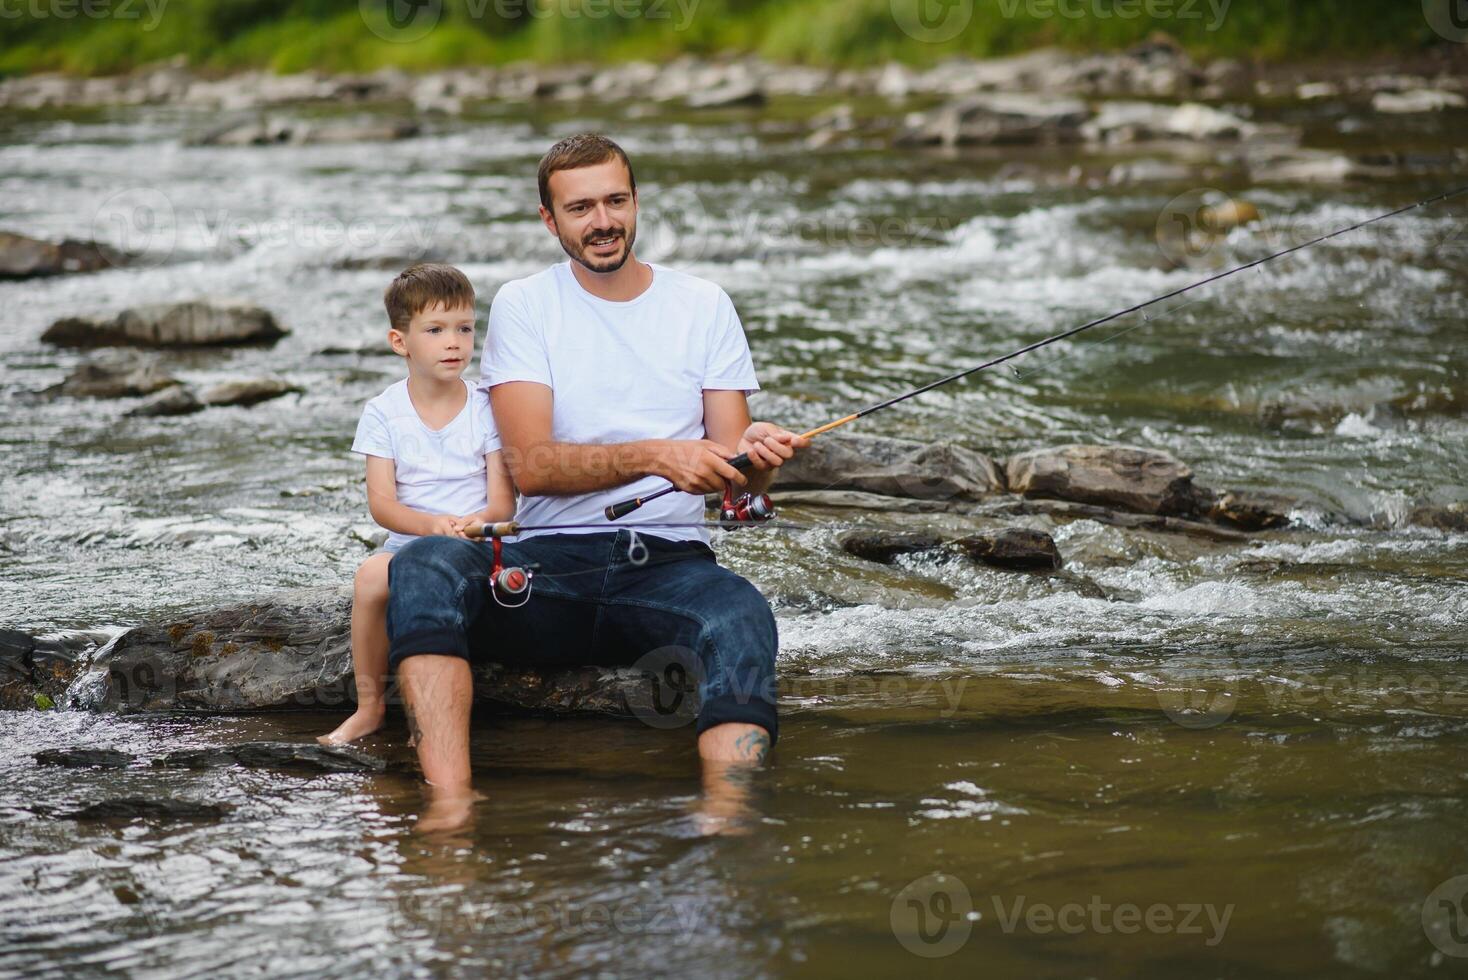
[1185, 757]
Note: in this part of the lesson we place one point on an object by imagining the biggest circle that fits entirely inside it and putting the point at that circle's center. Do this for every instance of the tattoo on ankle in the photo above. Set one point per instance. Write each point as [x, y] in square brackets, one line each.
[753, 746]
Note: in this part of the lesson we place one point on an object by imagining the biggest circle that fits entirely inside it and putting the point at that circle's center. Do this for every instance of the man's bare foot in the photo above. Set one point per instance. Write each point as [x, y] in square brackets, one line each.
[364, 721]
[448, 809]
[724, 808]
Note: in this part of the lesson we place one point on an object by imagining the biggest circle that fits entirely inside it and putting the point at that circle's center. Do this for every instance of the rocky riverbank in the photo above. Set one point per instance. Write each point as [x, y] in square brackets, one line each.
[1156, 69]
[1152, 95]
[292, 650]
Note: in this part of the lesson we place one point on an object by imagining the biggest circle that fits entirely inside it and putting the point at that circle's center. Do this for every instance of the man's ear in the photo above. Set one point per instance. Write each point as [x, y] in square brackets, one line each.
[549, 220]
[398, 341]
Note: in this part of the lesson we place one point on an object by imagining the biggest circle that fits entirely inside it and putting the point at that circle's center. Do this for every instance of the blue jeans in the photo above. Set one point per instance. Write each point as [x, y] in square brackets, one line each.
[596, 600]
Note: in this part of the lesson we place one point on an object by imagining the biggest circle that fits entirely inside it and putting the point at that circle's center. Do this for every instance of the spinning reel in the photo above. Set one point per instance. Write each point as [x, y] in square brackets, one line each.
[508, 585]
[747, 508]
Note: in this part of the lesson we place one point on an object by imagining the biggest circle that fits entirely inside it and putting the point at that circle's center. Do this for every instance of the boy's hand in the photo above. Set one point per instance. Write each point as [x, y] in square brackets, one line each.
[445, 526]
[472, 520]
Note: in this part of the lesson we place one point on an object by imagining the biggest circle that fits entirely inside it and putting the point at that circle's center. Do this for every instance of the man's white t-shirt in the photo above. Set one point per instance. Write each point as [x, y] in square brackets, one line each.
[438, 471]
[620, 372]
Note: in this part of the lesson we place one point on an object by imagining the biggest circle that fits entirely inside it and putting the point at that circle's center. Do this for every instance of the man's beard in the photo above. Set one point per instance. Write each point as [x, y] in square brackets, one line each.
[577, 251]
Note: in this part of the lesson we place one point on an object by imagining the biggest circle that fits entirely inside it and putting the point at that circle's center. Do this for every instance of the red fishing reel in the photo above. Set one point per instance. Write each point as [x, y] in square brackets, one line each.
[509, 586]
[747, 508]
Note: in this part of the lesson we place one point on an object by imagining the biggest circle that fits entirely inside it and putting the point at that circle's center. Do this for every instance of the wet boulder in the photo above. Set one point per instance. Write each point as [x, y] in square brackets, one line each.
[1253, 510]
[885, 547]
[998, 119]
[892, 467]
[113, 378]
[169, 402]
[293, 651]
[1146, 481]
[1452, 517]
[732, 94]
[1417, 100]
[23, 257]
[140, 808]
[255, 132]
[1021, 548]
[36, 670]
[1012, 547]
[200, 323]
[85, 758]
[361, 132]
[246, 391]
[308, 757]
[1133, 122]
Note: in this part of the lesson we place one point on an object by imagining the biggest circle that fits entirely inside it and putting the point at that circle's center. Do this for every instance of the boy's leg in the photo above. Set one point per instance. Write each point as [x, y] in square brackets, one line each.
[440, 613]
[436, 593]
[369, 652]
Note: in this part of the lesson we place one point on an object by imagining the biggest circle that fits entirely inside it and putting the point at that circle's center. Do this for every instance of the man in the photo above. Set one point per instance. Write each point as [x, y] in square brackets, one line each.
[608, 376]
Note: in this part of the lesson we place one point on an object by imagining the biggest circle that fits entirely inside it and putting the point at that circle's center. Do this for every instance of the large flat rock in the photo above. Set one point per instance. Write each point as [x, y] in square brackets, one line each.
[893, 468]
[1146, 481]
[198, 323]
[293, 651]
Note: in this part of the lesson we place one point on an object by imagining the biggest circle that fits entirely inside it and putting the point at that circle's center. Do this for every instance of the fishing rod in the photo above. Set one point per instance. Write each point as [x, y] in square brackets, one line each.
[742, 461]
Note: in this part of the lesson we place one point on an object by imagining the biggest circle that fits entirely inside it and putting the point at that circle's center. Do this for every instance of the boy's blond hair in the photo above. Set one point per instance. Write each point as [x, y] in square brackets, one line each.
[422, 286]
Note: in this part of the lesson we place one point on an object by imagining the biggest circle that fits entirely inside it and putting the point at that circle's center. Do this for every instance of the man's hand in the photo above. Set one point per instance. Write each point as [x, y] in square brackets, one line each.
[769, 446]
[696, 465]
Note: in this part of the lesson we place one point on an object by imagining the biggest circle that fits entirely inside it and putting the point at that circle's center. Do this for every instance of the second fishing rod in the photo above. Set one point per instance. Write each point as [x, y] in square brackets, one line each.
[743, 463]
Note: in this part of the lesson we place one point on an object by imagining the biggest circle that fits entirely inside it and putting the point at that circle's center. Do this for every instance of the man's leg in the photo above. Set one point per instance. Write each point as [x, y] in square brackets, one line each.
[734, 742]
[680, 599]
[437, 694]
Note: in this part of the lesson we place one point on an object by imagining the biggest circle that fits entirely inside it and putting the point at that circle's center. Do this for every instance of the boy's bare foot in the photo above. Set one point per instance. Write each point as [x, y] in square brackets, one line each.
[364, 721]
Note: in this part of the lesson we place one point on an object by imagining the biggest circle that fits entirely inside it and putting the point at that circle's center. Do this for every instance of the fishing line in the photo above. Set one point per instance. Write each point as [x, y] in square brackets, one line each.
[742, 461]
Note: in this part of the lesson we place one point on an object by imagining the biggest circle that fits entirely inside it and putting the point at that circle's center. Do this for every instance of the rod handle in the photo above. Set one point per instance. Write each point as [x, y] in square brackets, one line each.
[619, 510]
[504, 529]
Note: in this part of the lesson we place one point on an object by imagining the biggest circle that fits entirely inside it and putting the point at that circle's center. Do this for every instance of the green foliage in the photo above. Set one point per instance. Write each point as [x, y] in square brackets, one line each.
[43, 702]
[291, 35]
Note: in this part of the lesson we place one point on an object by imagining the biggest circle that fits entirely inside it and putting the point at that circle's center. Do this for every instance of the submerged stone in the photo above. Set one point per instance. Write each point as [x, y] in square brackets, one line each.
[85, 758]
[136, 807]
[289, 756]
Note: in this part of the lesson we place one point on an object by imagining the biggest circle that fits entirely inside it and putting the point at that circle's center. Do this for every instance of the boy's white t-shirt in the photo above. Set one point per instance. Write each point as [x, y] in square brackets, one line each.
[620, 372]
[440, 472]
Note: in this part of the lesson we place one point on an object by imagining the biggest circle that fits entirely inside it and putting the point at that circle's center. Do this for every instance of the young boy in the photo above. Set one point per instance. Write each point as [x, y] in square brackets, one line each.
[433, 460]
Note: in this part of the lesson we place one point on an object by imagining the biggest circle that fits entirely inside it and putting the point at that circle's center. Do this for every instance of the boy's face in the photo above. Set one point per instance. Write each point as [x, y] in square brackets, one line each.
[595, 214]
[438, 343]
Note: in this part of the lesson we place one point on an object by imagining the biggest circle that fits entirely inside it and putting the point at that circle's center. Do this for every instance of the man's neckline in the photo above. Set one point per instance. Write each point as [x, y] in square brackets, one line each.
[616, 303]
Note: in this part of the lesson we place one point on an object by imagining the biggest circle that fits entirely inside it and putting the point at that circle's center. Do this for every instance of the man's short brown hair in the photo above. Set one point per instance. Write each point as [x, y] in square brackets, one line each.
[422, 286]
[575, 152]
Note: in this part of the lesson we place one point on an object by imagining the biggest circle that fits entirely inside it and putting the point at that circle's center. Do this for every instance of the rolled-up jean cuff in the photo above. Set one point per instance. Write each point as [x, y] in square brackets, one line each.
[727, 708]
[448, 642]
